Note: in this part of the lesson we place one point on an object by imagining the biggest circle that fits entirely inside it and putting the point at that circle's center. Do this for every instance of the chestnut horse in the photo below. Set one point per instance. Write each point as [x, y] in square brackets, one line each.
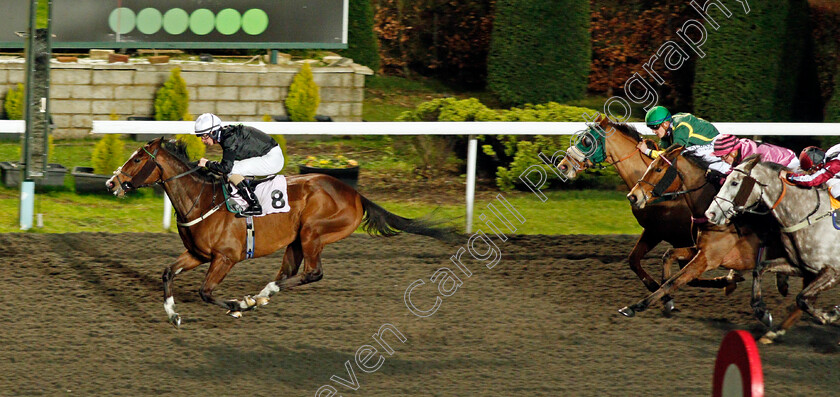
[323, 210]
[667, 220]
[734, 246]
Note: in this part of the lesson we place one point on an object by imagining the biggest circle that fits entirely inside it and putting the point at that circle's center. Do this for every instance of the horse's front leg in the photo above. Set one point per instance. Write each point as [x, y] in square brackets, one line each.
[646, 242]
[186, 261]
[691, 271]
[220, 265]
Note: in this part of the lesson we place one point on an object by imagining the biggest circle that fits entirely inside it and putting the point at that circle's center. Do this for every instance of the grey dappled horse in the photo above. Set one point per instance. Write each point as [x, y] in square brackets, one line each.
[810, 240]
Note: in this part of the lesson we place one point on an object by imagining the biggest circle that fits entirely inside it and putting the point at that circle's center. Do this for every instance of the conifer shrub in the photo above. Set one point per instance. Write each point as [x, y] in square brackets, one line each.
[172, 101]
[303, 99]
[540, 51]
[108, 154]
[279, 138]
[362, 44]
[752, 64]
[13, 105]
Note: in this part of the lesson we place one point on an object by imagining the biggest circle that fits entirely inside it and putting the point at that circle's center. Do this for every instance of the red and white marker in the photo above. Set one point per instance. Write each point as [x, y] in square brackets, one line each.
[738, 367]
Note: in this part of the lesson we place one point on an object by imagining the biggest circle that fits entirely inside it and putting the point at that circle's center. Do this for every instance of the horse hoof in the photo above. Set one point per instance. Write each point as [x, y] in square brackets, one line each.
[729, 289]
[764, 340]
[627, 311]
[236, 314]
[250, 301]
[765, 317]
[175, 321]
[262, 301]
[668, 308]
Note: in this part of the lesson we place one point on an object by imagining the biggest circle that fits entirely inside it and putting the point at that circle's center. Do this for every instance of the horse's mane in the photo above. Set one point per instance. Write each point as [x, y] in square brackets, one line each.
[627, 130]
[178, 149]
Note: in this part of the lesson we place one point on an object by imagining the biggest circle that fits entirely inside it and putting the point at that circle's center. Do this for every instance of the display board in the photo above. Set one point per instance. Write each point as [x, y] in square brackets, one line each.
[187, 23]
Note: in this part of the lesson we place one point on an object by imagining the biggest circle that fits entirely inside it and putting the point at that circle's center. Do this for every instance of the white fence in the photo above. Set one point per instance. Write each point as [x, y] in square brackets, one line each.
[441, 128]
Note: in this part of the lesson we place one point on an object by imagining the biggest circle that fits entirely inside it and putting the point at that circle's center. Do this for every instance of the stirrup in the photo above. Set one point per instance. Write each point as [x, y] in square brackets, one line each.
[251, 212]
[835, 218]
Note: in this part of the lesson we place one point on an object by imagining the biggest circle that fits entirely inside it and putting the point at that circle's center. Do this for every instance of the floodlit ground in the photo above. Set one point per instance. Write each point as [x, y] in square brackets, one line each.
[84, 316]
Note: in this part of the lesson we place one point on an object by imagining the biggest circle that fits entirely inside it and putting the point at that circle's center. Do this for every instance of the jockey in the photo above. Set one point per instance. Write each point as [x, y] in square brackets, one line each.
[733, 150]
[246, 151]
[693, 133]
[823, 167]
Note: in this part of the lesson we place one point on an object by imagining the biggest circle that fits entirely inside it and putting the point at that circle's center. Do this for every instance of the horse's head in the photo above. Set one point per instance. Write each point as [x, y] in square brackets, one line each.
[140, 170]
[740, 192]
[586, 150]
[661, 177]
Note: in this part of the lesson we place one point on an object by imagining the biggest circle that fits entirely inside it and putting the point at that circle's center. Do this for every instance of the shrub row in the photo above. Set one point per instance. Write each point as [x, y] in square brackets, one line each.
[362, 45]
[507, 156]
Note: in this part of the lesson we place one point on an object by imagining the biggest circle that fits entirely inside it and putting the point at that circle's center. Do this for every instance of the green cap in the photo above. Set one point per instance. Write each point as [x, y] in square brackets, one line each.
[657, 115]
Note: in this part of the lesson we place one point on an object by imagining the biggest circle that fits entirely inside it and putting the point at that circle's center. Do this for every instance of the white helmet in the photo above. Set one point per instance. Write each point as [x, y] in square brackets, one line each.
[209, 123]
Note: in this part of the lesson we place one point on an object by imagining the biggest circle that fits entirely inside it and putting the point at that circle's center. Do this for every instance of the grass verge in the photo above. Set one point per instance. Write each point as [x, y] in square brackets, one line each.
[565, 212]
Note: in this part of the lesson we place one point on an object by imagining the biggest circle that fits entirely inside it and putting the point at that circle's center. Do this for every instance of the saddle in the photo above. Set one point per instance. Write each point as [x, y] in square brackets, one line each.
[270, 191]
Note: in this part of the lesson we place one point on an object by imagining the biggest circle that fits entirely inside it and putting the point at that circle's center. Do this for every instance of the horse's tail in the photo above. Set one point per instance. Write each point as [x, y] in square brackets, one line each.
[379, 222]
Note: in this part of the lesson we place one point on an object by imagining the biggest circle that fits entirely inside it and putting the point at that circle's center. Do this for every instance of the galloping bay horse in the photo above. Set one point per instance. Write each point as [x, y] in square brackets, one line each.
[323, 210]
[669, 220]
[734, 246]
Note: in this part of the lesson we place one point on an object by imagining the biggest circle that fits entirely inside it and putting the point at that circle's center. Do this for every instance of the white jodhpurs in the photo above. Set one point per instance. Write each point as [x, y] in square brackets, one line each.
[705, 152]
[269, 164]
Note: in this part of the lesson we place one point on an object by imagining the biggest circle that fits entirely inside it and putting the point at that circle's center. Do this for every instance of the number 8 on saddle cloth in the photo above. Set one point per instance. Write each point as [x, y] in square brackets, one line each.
[271, 193]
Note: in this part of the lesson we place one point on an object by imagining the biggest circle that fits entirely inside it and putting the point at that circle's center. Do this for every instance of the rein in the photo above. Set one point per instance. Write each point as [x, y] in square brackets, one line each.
[671, 174]
[626, 157]
[136, 182]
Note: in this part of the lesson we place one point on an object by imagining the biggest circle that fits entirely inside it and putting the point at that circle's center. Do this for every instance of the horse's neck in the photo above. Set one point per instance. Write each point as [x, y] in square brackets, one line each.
[190, 195]
[699, 200]
[631, 168]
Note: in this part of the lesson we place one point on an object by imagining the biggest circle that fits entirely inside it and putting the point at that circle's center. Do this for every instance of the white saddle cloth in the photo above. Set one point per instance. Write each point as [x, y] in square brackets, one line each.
[271, 195]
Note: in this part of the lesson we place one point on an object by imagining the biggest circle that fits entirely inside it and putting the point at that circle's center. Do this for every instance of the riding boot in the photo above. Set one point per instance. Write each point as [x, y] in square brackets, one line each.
[248, 195]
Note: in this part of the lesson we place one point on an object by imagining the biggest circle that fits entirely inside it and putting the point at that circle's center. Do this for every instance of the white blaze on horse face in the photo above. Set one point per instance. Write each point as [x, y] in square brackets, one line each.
[715, 212]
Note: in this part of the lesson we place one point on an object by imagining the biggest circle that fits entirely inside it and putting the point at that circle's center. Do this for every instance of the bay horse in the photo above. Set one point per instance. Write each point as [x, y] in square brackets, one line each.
[809, 237]
[734, 246]
[667, 220]
[323, 210]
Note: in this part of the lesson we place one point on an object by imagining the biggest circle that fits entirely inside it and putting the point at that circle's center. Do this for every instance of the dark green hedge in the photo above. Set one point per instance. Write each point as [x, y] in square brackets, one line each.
[754, 64]
[540, 51]
[362, 44]
[832, 109]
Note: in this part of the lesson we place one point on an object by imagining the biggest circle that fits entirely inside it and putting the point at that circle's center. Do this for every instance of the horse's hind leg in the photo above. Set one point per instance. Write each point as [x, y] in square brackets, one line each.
[291, 263]
[186, 261]
[806, 300]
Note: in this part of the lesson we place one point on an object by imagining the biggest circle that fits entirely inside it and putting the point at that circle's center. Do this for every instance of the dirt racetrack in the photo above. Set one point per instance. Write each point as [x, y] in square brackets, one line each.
[84, 316]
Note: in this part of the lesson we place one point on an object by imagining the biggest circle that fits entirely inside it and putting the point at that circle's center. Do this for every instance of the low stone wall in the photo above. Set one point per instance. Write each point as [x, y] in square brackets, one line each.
[80, 93]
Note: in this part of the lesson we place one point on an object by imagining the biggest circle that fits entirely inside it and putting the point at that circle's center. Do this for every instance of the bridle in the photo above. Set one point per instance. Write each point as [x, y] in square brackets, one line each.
[148, 168]
[748, 183]
[583, 158]
[672, 173]
[136, 181]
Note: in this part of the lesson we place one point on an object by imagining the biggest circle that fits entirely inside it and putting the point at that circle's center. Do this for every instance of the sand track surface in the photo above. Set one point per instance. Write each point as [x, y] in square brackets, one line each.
[84, 316]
